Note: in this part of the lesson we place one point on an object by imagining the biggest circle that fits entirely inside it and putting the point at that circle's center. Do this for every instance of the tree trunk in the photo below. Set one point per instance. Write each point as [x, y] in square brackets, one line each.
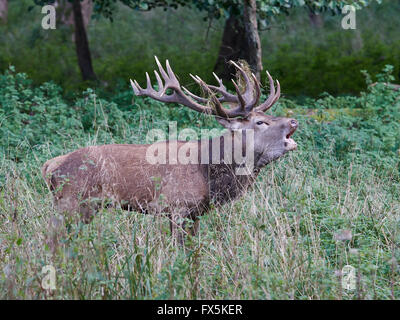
[82, 44]
[3, 10]
[240, 40]
[252, 37]
[65, 14]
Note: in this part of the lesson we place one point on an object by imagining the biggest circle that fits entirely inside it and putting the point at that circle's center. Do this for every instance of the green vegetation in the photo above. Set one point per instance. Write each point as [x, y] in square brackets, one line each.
[307, 60]
[280, 241]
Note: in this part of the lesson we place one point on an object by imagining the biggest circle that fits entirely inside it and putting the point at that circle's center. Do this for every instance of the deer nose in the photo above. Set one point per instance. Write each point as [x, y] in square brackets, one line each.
[293, 123]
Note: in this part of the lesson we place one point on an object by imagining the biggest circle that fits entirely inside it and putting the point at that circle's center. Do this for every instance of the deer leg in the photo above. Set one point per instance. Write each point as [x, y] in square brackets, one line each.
[88, 208]
[55, 230]
[195, 228]
[177, 227]
[87, 213]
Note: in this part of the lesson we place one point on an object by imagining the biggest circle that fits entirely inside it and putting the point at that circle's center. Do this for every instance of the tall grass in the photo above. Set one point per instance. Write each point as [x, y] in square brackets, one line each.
[278, 242]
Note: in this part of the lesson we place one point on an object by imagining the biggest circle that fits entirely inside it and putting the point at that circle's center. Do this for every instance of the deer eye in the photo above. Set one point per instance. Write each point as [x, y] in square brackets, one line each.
[261, 122]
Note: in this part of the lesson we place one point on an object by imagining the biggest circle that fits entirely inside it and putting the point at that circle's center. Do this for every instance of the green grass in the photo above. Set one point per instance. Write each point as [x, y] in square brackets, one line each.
[279, 241]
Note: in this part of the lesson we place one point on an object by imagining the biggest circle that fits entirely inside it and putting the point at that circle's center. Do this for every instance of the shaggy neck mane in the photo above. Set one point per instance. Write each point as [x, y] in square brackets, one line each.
[224, 182]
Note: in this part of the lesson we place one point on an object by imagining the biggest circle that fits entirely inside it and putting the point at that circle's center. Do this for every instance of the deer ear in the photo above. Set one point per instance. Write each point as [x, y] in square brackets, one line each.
[232, 124]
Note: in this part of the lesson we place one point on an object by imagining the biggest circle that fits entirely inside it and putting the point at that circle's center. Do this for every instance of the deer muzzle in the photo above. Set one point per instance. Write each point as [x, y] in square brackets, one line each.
[290, 144]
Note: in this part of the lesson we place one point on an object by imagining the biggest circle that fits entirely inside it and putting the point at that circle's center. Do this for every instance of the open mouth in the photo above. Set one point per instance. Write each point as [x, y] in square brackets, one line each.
[290, 144]
[292, 130]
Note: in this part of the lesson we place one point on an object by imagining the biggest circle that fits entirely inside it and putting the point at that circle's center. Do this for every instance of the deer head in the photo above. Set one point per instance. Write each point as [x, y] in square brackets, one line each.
[272, 135]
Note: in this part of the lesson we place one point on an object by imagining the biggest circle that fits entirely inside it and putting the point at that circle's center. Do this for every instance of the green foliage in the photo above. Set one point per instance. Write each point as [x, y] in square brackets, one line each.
[29, 116]
[107, 7]
[309, 61]
[364, 130]
[293, 51]
[334, 6]
[267, 9]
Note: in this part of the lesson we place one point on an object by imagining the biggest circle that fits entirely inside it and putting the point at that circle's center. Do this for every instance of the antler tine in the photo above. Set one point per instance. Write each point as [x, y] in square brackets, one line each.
[197, 79]
[226, 96]
[238, 111]
[217, 78]
[272, 98]
[252, 91]
[222, 90]
[278, 92]
[197, 98]
[220, 110]
[248, 87]
[162, 71]
[257, 93]
[135, 89]
[276, 97]
[171, 74]
[159, 81]
[148, 81]
[242, 103]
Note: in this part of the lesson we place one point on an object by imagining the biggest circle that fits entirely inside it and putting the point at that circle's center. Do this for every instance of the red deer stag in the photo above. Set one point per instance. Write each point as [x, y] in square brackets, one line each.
[124, 174]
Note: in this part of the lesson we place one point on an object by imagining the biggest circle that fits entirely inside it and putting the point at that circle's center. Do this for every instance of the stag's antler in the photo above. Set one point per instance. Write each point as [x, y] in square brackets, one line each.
[273, 97]
[245, 102]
